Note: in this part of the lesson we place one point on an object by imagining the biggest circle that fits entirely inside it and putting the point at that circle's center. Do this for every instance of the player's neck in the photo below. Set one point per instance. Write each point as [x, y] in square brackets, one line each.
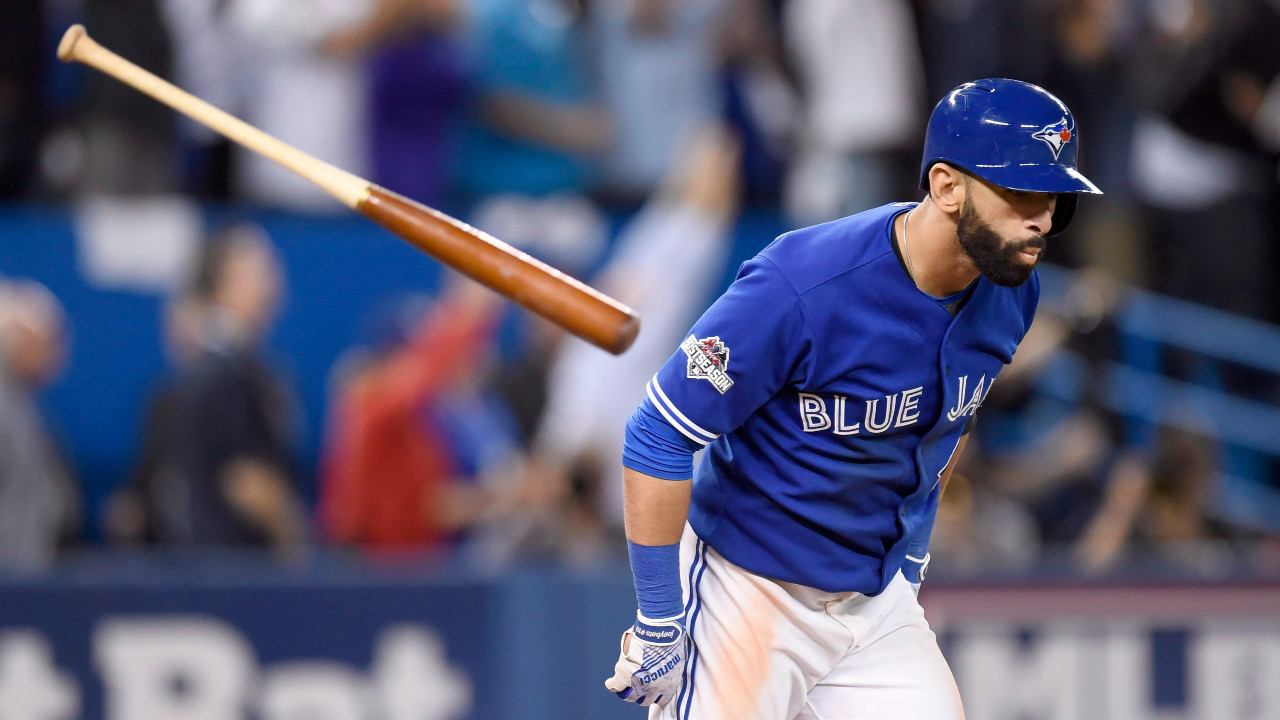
[938, 264]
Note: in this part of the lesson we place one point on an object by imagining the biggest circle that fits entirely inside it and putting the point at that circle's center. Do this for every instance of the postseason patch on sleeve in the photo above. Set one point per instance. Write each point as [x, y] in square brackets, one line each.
[709, 360]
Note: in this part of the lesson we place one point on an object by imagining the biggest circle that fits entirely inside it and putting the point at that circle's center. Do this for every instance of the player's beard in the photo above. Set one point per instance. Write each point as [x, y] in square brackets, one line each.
[994, 256]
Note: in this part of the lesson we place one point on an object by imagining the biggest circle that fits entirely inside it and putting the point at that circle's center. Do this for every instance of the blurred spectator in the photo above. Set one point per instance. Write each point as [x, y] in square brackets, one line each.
[1232, 48]
[417, 453]
[417, 93]
[1061, 466]
[565, 96]
[232, 436]
[22, 114]
[571, 233]
[761, 102]
[130, 139]
[659, 63]
[151, 509]
[1160, 512]
[965, 39]
[537, 123]
[416, 76]
[39, 505]
[308, 86]
[208, 63]
[664, 265]
[862, 82]
[1205, 175]
[979, 529]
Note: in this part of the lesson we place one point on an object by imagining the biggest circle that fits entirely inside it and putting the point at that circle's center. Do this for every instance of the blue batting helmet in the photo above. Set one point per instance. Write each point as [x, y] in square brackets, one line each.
[1012, 134]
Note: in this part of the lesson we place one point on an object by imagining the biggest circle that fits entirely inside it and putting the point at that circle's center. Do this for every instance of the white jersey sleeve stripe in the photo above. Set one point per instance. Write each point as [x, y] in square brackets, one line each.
[671, 406]
[674, 423]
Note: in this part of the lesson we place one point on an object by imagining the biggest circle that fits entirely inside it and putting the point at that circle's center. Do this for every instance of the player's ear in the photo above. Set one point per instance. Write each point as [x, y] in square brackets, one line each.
[947, 187]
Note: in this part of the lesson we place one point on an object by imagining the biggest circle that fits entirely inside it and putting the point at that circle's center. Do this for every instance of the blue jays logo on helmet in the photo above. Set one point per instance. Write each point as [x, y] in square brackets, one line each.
[1056, 136]
[996, 129]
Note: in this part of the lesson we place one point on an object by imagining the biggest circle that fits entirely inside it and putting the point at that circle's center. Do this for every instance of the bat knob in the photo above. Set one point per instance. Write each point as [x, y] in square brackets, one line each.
[66, 48]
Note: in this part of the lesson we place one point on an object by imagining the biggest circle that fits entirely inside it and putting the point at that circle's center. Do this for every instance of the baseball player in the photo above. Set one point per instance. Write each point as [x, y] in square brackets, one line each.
[832, 386]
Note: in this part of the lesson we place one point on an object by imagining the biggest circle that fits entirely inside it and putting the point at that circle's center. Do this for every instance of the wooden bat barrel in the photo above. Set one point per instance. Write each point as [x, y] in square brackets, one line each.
[530, 283]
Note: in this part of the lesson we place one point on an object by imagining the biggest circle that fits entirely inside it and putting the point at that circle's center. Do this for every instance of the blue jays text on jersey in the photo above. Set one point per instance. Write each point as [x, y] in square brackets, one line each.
[830, 393]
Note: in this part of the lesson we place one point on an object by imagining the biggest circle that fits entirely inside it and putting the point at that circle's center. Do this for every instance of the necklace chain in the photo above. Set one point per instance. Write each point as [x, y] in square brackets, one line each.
[906, 254]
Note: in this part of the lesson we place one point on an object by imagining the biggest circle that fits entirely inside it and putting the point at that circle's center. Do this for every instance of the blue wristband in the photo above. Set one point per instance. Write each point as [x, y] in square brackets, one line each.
[656, 572]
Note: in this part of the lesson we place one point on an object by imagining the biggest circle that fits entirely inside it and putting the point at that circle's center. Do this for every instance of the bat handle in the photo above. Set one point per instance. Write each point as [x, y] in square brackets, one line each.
[76, 45]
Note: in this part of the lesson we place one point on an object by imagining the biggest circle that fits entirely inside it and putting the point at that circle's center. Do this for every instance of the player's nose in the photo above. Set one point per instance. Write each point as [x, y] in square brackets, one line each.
[1040, 219]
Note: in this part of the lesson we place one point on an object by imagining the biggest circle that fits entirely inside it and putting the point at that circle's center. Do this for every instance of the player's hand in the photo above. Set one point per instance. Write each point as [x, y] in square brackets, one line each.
[651, 666]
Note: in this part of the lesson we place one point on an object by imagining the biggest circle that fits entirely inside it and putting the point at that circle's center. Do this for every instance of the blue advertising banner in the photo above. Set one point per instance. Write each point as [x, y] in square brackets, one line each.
[205, 643]
[211, 642]
[528, 645]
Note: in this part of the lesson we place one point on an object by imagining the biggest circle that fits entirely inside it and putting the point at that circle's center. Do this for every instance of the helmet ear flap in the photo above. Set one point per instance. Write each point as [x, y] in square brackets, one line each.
[924, 175]
[1063, 212]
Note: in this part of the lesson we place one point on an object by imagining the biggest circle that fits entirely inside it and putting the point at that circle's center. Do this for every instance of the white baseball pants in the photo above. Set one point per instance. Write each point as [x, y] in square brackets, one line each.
[768, 650]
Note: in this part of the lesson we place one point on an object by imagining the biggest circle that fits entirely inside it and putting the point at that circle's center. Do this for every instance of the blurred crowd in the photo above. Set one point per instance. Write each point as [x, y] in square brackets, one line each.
[528, 116]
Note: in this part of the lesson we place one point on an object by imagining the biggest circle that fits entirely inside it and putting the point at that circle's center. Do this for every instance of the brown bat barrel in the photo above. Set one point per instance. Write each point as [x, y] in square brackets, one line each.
[533, 285]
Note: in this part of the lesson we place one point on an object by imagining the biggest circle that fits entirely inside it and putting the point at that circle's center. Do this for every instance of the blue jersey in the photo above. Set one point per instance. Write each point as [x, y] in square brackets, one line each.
[830, 394]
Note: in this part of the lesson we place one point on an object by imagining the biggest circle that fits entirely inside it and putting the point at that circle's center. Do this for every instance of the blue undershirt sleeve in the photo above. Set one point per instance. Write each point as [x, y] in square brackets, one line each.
[655, 448]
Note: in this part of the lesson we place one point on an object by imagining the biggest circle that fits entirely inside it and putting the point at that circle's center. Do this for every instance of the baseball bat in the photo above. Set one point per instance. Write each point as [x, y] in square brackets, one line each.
[534, 285]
